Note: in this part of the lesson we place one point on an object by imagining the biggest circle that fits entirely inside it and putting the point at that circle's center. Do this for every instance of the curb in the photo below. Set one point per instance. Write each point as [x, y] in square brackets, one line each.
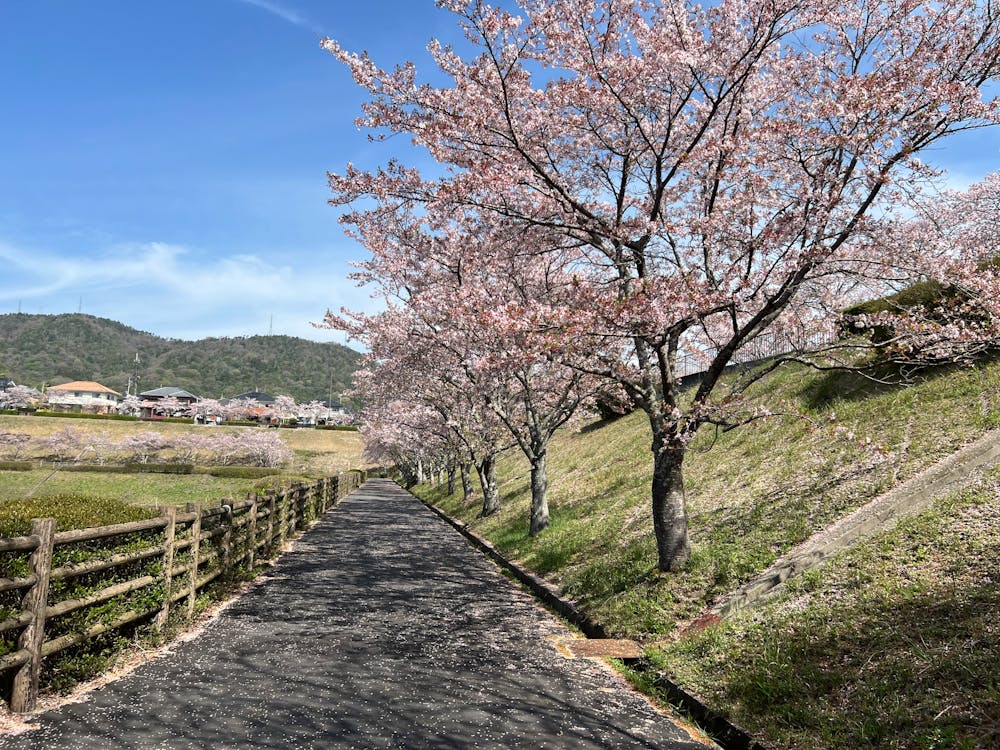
[541, 588]
[728, 735]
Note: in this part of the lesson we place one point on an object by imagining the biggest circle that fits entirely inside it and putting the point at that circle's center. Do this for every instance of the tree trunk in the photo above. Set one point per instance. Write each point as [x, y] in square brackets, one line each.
[408, 473]
[451, 479]
[539, 494]
[487, 471]
[669, 513]
[420, 472]
[466, 472]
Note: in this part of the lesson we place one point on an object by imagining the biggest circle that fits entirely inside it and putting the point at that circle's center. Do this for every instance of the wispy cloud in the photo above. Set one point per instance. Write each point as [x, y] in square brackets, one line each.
[173, 291]
[284, 13]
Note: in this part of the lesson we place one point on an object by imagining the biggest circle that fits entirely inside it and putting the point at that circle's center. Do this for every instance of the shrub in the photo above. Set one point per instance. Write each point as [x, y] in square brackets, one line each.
[70, 512]
[239, 472]
[84, 415]
[342, 427]
[159, 468]
[96, 468]
[16, 466]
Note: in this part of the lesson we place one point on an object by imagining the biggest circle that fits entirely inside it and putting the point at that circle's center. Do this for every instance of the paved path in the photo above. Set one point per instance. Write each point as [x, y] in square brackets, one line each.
[381, 629]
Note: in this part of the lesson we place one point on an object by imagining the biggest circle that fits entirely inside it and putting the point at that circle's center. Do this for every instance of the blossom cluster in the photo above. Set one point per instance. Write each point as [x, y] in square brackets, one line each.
[220, 448]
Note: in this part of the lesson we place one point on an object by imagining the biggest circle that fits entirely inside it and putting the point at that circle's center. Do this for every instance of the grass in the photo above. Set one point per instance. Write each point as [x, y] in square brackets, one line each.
[754, 493]
[317, 452]
[136, 489]
[896, 643]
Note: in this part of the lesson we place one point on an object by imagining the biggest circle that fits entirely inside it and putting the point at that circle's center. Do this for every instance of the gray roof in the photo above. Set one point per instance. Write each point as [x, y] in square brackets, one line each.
[264, 398]
[167, 392]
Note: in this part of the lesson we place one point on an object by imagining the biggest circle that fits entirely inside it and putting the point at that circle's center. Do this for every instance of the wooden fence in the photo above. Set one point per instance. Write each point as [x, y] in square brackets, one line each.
[173, 556]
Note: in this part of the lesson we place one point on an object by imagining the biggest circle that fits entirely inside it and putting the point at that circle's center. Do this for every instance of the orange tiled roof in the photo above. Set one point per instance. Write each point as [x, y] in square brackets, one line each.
[86, 386]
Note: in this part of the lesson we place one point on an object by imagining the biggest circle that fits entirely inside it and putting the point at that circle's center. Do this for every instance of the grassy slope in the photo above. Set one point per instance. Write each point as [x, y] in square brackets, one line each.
[754, 494]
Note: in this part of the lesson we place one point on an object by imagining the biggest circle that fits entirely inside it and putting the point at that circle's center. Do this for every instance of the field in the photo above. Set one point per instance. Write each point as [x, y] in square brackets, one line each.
[317, 453]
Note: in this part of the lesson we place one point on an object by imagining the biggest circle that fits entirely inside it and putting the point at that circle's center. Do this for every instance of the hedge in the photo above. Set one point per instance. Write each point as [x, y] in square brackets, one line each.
[131, 468]
[239, 472]
[16, 466]
[84, 415]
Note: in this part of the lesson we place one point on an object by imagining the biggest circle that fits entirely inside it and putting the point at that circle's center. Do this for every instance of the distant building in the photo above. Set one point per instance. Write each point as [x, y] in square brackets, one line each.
[6, 384]
[153, 402]
[258, 396]
[258, 401]
[82, 396]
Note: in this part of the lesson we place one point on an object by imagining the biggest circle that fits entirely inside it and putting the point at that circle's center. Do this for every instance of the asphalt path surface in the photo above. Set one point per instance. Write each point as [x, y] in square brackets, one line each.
[382, 628]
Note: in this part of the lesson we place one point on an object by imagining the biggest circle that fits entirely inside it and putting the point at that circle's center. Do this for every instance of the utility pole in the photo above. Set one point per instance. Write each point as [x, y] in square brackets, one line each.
[134, 379]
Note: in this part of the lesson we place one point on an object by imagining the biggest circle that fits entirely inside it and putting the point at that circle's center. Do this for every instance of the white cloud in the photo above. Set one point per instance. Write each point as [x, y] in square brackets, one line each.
[182, 293]
[284, 13]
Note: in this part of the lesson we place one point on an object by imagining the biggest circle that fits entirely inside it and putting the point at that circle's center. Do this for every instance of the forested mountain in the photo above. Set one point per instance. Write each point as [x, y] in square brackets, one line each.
[47, 350]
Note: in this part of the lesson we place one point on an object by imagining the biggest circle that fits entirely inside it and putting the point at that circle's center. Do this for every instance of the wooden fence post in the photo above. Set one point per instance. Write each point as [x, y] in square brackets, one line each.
[25, 690]
[251, 555]
[299, 514]
[169, 533]
[227, 538]
[195, 554]
[285, 503]
[272, 509]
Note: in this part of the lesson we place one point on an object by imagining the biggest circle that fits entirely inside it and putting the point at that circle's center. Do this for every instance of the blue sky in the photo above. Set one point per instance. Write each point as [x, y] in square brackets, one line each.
[163, 162]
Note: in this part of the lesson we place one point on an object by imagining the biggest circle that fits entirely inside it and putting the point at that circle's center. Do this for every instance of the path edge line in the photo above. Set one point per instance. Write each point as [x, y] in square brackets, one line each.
[728, 735]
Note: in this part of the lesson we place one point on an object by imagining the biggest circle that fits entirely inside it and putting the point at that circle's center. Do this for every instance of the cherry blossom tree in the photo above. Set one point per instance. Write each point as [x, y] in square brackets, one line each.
[719, 172]
[140, 447]
[64, 444]
[243, 408]
[19, 397]
[169, 406]
[130, 405]
[284, 407]
[476, 292]
[13, 444]
[261, 448]
[407, 365]
[207, 408]
[954, 314]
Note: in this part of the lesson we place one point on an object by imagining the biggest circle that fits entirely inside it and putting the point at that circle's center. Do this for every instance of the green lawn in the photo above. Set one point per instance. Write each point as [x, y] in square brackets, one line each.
[137, 489]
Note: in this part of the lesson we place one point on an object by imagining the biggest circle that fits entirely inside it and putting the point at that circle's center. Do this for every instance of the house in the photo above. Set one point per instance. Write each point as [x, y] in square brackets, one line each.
[159, 401]
[82, 396]
[258, 405]
[259, 396]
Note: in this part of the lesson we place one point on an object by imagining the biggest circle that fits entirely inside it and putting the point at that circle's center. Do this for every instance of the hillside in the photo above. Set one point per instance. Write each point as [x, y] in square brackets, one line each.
[53, 349]
[893, 644]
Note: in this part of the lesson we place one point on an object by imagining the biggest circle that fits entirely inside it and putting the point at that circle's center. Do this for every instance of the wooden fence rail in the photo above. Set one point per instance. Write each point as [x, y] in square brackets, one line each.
[176, 553]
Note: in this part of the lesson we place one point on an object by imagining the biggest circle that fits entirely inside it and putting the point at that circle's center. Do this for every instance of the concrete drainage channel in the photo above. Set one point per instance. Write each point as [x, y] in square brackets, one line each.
[729, 736]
